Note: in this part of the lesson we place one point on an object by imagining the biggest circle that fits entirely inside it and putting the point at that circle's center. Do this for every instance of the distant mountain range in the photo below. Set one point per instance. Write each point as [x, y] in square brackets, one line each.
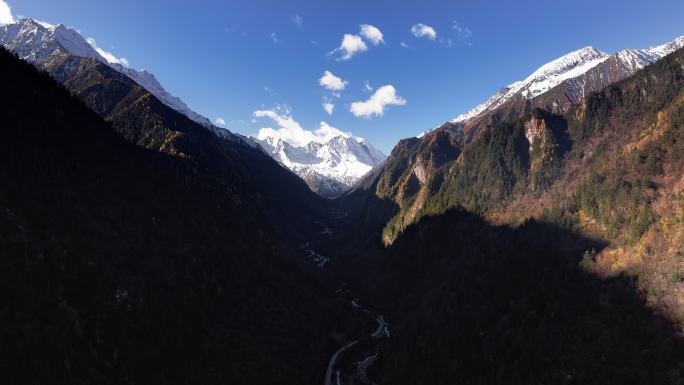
[153, 119]
[329, 168]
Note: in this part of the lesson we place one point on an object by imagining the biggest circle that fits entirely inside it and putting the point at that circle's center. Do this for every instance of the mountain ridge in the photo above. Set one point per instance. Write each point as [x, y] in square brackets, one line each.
[35, 42]
[126, 265]
[331, 171]
[568, 67]
[418, 167]
[331, 167]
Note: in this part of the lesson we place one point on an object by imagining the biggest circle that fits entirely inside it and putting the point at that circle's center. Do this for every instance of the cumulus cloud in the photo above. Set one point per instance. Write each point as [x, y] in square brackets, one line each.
[351, 45]
[372, 34]
[422, 30]
[5, 13]
[376, 104]
[220, 121]
[331, 82]
[110, 57]
[290, 131]
[329, 108]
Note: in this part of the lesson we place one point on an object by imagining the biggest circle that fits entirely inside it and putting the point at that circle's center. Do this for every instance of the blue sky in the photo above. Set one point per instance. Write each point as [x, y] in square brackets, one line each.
[229, 59]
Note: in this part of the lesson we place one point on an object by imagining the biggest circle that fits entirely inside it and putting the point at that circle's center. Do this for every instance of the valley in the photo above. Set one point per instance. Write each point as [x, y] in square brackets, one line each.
[534, 239]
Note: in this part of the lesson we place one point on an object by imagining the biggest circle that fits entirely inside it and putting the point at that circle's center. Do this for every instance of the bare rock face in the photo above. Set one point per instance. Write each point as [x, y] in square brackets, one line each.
[535, 130]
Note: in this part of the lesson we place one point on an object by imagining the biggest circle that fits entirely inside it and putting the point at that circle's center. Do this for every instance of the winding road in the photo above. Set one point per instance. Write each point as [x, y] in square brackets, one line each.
[380, 332]
[331, 364]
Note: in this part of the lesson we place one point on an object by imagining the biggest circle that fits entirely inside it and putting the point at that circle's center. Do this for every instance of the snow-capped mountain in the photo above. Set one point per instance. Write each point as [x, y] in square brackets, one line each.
[583, 71]
[329, 168]
[636, 59]
[543, 79]
[37, 42]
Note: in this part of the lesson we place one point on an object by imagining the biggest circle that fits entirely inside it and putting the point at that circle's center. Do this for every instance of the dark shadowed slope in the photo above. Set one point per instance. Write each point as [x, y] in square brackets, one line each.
[124, 265]
[472, 303]
[135, 113]
[612, 167]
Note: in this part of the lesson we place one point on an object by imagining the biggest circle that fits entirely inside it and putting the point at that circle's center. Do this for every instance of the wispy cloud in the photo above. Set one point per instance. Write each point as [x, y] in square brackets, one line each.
[376, 104]
[220, 121]
[350, 46]
[372, 34]
[297, 20]
[5, 13]
[274, 37]
[331, 82]
[447, 41]
[422, 30]
[404, 45]
[110, 57]
[270, 91]
[463, 33]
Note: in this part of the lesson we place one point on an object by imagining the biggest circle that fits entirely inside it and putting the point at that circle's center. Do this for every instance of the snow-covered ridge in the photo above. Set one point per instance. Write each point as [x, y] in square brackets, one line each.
[344, 159]
[636, 59]
[567, 67]
[36, 42]
[543, 79]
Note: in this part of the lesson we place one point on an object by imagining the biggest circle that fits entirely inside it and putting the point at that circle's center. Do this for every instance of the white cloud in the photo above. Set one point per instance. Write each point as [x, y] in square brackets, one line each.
[5, 13]
[375, 106]
[464, 33]
[107, 55]
[328, 107]
[351, 45]
[331, 82]
[422, 30]
[220, 121]
[270, 91]
[297, 20]
[274, 37]
[367, 87]
[372, 34]
[404, 45]
[290, 131]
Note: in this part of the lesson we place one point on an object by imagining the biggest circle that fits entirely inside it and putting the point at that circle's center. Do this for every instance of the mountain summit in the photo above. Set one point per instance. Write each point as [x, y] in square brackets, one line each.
[583, 71]
[329, 167]
[543, 79]
[38, 42]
